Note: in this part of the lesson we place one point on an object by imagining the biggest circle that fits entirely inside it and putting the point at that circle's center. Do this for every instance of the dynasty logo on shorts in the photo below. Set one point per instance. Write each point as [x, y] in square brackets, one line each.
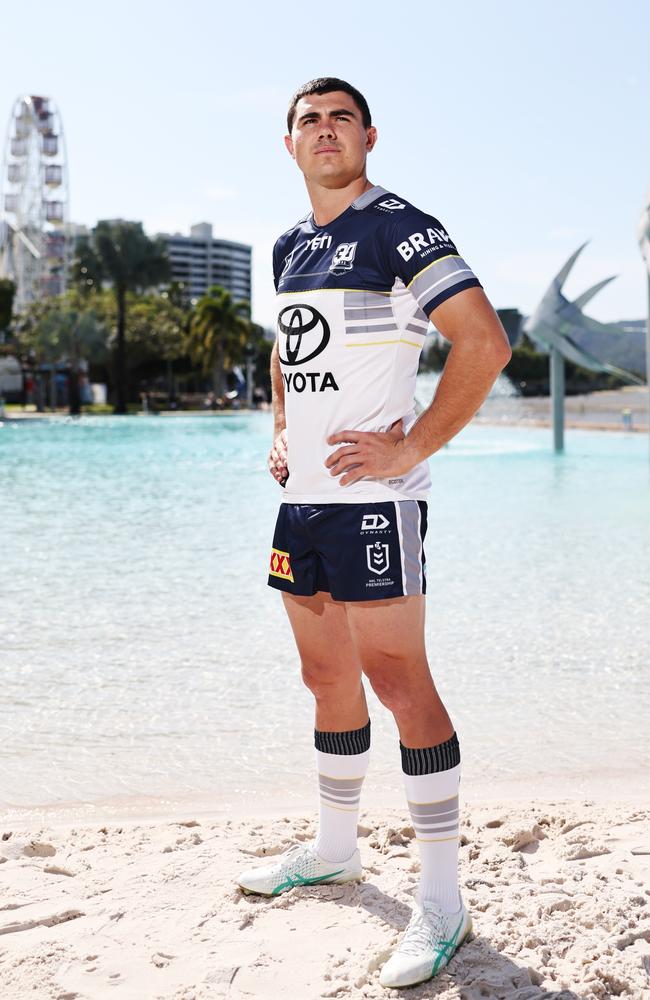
[280, 565]
[375, 522]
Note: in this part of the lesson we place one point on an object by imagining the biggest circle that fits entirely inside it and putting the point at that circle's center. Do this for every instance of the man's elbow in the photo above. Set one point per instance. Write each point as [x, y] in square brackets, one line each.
[494, 349]
[502, 353]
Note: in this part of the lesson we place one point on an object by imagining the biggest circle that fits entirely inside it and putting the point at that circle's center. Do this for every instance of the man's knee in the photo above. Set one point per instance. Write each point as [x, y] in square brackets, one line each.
[393, 680]
[325, 678]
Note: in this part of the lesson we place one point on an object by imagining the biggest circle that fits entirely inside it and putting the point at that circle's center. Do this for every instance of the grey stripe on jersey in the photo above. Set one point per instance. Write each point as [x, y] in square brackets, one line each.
[375, 328]
[377, 312]
[365, 300]
[438, 277]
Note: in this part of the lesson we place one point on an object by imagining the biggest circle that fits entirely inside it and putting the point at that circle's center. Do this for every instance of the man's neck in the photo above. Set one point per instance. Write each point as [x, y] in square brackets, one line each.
[328, 203]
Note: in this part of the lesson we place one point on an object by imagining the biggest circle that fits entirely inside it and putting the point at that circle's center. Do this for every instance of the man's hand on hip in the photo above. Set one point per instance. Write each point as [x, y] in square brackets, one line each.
[370, 453]
[278, 457]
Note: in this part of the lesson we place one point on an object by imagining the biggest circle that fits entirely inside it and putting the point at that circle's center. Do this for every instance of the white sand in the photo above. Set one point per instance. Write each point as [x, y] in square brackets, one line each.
[148, 909]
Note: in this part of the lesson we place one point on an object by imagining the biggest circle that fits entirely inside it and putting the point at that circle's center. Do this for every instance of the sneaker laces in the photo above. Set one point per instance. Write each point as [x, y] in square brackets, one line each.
[290, 855]
[425, 929]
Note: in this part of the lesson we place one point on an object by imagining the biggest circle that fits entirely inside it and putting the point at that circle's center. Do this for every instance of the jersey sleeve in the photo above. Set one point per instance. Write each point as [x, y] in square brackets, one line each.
[424, 257]
[277, 263]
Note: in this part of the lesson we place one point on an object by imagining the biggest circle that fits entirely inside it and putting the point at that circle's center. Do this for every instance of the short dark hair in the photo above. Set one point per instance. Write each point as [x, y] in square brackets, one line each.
[325, 85]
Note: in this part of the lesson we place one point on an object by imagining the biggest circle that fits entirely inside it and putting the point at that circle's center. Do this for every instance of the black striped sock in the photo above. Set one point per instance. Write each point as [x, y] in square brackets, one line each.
[352, 741]
[427, 760]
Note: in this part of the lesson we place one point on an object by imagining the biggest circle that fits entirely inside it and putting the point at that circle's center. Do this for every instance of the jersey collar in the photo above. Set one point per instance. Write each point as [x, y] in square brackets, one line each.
[357, 205]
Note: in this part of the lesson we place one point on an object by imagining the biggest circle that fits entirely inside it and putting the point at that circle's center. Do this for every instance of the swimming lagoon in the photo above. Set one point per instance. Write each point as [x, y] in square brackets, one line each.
[143, 655]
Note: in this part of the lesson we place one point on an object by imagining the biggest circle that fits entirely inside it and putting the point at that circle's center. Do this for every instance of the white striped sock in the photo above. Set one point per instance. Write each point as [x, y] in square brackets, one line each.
[340, 777]
[433, 804]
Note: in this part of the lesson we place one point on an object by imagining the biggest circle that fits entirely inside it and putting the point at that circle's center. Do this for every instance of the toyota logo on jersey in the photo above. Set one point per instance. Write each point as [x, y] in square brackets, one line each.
[305, 334]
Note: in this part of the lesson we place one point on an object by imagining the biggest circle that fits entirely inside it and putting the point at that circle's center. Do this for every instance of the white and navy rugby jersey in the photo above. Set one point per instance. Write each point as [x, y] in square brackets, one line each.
[353, 301]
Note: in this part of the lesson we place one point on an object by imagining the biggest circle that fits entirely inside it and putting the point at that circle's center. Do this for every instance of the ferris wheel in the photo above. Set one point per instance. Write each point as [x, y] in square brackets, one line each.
[34, 244]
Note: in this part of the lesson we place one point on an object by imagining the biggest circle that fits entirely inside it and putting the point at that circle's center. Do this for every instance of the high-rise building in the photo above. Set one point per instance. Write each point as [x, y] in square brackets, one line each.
[199, 261]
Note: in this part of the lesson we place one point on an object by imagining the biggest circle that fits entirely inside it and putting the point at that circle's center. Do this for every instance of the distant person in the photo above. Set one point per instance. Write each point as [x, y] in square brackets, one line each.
[627, 419]
[358, 280]
[28, 390]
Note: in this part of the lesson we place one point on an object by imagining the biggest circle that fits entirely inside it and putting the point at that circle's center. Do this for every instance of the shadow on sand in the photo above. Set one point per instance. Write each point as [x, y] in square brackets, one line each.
[477, 972]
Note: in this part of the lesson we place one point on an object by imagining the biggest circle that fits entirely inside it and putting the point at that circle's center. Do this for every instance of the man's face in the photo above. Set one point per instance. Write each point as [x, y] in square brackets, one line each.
[328, 140]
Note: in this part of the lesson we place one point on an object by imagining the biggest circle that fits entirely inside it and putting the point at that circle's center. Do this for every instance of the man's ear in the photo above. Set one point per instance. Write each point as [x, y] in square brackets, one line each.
[371, 138]
[289, 144]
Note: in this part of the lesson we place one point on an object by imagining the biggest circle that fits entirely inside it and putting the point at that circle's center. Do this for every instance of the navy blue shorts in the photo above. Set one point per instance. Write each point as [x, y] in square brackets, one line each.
[355, 552]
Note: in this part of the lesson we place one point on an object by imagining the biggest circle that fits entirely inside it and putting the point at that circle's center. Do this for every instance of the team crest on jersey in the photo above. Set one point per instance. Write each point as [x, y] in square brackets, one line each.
[343, 259]
[377, 557]
[281, 565]
[391, 204]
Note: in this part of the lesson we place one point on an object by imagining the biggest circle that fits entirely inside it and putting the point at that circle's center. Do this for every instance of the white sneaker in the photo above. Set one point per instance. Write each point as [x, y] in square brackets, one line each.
[429, 943]
[300, 865]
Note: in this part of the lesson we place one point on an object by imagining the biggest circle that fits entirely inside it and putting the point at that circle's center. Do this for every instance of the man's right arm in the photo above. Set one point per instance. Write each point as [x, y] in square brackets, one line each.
[277, 392]
[278, 454]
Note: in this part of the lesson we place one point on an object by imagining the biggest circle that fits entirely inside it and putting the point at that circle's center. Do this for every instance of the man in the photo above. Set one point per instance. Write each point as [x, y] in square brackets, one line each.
[357, 281]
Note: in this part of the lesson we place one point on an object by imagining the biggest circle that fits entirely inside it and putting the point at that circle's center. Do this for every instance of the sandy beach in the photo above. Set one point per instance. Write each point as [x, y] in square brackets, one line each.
[148, 910]
[599, 411]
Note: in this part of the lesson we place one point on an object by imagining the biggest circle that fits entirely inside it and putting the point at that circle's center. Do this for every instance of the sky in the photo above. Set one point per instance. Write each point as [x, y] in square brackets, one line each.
[524, 127]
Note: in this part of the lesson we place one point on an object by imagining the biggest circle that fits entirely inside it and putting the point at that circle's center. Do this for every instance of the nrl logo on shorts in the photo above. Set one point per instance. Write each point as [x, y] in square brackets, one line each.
[343, 259]
[378, 557]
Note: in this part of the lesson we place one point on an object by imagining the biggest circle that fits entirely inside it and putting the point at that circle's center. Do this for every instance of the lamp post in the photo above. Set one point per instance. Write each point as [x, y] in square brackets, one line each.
[557, 397]
[647, 353]
[250, 353]
[643, 236]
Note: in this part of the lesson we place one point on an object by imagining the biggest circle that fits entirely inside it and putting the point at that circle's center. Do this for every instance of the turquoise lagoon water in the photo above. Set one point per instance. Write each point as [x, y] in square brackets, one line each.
[143, 655]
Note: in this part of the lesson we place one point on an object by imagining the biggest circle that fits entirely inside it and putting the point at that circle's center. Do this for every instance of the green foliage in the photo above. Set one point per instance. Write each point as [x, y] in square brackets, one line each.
[528, 370]
[62, 328]
[121, 254]
[7, 293]
[218, 333]
[434, 355]
[156, 328]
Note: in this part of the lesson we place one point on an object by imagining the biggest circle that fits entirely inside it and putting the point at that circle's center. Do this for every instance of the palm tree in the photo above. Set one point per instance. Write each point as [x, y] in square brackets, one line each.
[218, 333]
[121, 253]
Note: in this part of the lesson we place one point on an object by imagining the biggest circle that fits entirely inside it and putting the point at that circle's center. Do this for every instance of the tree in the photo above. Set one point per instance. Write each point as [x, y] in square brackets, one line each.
[7, 292]
[218, 333]
[157, 331]
[63, 329]
[122, 254]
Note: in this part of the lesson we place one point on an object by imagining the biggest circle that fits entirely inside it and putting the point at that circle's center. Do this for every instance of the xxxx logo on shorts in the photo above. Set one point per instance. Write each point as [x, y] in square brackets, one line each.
[281, 565]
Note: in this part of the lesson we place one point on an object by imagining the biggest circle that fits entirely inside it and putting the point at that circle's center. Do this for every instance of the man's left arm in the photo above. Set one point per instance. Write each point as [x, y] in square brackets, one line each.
[479, 352]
